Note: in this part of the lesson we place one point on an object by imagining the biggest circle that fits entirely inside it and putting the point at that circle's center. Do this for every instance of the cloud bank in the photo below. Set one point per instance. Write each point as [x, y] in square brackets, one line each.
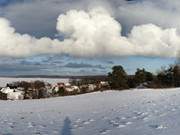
[27, 15]
[91, 33]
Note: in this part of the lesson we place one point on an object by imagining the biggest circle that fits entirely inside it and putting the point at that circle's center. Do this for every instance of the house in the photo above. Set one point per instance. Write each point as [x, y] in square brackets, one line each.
[61, 85]
[11, 94]
[65, 89]
[15, 95]
[91, 87]
[57, 87]
[142, 86]
[71, 89]
[48, 88]
[104, 84]
[3, 96]
[67, 85]
[76, 88]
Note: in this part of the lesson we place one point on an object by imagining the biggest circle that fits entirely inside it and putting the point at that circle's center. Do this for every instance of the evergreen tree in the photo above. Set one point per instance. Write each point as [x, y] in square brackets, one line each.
[142, 76]
[118, 78]
[176, 75]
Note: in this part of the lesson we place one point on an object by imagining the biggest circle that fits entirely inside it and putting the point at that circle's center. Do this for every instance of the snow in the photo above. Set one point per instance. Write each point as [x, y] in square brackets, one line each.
[5, 80]
[130, 112]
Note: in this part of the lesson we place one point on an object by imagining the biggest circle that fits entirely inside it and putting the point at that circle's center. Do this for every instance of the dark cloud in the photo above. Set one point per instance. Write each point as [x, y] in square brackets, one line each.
[13, 69]
[110, 62]
[7, 2]
[82, 65]
[27, 16]
[50, 65]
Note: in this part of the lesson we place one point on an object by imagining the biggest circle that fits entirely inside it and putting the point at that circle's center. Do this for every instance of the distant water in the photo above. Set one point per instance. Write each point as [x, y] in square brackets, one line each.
[5, 80]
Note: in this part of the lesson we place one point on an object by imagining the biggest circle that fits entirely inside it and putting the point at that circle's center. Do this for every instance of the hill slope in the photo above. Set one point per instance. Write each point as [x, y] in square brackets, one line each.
[132, 112]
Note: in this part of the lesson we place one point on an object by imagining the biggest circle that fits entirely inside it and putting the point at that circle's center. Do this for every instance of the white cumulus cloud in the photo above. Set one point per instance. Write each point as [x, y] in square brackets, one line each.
[91, 33]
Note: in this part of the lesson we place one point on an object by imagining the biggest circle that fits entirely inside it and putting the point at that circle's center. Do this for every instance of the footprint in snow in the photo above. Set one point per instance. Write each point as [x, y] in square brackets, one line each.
[120, 124]
[87, 122]
[125, 123]
[114, 123]
[91, 120]
[75, 126]
[55, 132]
[104, 131]
[37, 133]
[155, 111]
[78, 120]
[155, 126]
[78, 125]
[52, 122]
[22, 118]
[123, 118]
[146, 118]
[5, 121]
[141, 116]
[128, 123]
[31, 125]
[95, 112]
[105, 118]
[12, 124]
[7, 134]
[42, 126]
[163, 114]
[173, 109]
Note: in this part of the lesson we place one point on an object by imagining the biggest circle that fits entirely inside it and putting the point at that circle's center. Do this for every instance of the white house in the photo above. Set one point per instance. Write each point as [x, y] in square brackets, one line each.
[142, 85]
[75, 88]
[72, 89]
[16, 95]
[13, 94]
[91, 87]
[67, 85]
[6, 90]
[104, 83]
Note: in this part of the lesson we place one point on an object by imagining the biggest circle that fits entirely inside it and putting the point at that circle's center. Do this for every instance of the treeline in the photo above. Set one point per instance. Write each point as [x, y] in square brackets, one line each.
[165, 78]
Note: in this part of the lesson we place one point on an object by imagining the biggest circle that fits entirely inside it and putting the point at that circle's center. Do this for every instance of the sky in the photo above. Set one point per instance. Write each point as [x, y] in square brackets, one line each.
[87, 37]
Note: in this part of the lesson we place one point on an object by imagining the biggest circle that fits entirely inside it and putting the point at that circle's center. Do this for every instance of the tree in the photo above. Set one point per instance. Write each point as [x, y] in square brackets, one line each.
[149, 76]
[118, 78]
[61, 91]
[25, 85]
[131, 82]
[176, 75]
[166, 77]
[39, 89]
[142, 76]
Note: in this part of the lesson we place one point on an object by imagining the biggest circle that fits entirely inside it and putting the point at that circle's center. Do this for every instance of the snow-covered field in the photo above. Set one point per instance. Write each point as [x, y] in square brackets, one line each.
[131, 112]
[5, 80]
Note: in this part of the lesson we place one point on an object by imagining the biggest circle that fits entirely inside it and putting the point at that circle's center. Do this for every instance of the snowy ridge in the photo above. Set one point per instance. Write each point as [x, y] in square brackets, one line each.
[131, 112]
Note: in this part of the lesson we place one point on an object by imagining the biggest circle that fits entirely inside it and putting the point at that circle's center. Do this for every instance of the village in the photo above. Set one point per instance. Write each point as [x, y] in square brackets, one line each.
[118, 80]
[39, 89]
